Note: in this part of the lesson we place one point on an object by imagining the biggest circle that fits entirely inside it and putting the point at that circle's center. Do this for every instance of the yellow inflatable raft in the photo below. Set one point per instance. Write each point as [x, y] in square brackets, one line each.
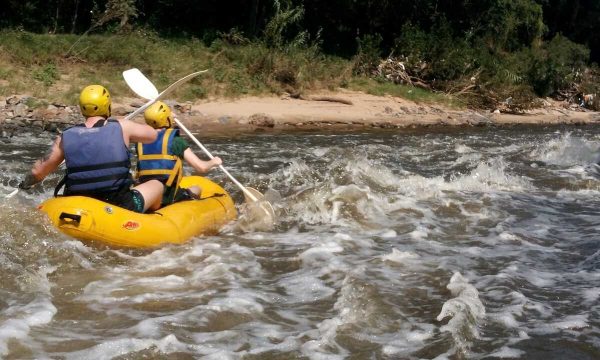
[93, 220]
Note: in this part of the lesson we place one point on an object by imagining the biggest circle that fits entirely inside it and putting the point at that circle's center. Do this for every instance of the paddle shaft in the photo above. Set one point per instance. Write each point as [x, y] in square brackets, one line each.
[239, 185]
[144, 88]
[162, 95]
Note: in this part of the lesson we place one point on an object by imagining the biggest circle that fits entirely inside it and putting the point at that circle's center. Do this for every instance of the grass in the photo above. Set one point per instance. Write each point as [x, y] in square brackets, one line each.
[57, 67]
[418, 95]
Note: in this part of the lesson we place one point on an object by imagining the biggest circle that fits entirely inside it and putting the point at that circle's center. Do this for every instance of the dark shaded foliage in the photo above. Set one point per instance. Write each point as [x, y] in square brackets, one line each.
[529, 44]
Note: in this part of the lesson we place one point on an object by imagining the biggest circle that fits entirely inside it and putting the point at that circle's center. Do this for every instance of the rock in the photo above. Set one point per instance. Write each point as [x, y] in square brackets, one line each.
[136, 103]
[17, 122]
[224, 120]
[13, 100]
[43, 114]
[121, 110]
[50, 126]
[261, 120]
[21, 109]
[183, 109]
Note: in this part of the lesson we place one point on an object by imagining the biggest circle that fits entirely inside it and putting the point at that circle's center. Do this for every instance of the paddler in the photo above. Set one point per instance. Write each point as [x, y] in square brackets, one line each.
[163, 159]
[97, 157]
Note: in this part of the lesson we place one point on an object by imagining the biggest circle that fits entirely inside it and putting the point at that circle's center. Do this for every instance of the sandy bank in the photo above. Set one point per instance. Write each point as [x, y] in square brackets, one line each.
[364, 111]
[343, 110]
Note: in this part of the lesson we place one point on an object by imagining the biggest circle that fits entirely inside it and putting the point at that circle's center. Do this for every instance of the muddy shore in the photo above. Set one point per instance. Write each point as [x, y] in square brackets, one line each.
[346, 110]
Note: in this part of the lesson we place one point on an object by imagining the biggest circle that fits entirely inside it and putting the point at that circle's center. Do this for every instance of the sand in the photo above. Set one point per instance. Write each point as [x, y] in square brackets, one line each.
[357, 111]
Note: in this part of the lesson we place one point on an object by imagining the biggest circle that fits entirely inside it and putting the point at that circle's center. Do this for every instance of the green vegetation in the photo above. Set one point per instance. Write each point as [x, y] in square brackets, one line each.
[418, 95]
[474, 53]
[235, 70]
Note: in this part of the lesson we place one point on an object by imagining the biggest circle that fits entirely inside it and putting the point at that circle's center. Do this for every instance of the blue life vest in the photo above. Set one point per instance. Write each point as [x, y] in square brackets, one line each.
[156, 160]
[97, 159]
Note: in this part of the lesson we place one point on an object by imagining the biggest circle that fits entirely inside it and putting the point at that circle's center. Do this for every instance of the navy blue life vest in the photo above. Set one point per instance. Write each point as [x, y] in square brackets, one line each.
[156, 160]
[97, 159]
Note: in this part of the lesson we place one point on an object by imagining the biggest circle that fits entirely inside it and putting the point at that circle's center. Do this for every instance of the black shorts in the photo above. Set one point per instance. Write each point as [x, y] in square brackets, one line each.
[129, 199]
[184, 194]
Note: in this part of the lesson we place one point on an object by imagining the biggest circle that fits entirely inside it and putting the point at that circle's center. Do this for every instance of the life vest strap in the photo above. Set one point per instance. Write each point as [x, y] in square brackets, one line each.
[154, 172]
[71, 182]
[157, 157]
[109, 165]
[176, 173]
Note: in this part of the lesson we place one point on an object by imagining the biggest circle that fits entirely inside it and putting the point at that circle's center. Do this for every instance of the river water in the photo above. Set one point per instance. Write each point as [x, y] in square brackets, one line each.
[457, 243]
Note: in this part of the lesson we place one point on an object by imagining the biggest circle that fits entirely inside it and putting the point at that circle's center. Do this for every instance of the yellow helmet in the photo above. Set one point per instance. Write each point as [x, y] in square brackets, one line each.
[94, 100]
[158, 115]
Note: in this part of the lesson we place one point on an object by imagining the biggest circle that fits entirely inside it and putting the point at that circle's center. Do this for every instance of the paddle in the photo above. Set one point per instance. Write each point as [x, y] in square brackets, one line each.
[144, 88]
[134, 73]
[152, 100]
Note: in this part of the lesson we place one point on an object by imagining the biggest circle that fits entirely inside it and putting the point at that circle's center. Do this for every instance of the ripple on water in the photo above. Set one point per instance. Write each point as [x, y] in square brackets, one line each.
[467, 243]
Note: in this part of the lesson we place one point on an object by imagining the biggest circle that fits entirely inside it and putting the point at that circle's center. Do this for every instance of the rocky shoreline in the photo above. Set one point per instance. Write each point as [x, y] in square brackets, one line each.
[357, 112]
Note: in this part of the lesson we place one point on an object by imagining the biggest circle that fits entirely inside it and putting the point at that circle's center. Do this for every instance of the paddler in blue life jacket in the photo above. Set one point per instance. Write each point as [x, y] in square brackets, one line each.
[162, 159]
[97, 156]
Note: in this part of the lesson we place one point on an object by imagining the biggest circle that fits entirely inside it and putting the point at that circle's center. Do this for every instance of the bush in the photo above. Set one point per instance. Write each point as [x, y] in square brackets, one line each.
[369, 54]
[446, 57]
[47, 74]
[557, 65]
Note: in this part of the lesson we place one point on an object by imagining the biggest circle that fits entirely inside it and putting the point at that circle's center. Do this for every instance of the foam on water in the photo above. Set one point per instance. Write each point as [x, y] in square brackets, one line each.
[465, 311]
[17, 320]
[567, 150]
[119, 347]
[399, 256]
[469, 244]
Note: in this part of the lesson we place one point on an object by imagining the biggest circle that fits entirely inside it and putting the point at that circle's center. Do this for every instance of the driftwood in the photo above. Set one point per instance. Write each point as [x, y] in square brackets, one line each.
[321, 98]
[419, 83]
[394, 70]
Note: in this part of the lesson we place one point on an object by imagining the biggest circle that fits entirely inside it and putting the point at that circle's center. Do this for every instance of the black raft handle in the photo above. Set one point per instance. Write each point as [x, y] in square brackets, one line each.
[73, 217]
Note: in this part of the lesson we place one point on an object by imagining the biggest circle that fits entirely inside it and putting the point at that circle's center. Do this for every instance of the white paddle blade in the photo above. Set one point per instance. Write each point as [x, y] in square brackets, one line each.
[140, 84]
[260, 207]
[256, 216]
[257, 194]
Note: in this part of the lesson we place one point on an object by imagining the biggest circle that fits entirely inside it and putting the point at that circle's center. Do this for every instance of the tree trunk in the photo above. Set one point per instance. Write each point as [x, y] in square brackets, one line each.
[75, 16]
[55, 28]
[253, 17]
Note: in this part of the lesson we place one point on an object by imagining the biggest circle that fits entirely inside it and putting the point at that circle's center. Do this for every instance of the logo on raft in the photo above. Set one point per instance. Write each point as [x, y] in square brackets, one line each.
[131, 225]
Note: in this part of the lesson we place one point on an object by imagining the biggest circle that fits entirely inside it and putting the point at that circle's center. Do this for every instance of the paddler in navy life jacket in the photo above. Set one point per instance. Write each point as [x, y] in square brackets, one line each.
[162, 159]
[97, 155]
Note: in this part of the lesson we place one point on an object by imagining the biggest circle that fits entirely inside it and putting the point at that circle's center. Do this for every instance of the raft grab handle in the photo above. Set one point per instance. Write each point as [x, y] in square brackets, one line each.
[73, 217]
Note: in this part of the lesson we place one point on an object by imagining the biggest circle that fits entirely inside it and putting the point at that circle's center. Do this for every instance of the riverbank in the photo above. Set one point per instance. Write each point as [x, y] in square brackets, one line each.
[342, 110]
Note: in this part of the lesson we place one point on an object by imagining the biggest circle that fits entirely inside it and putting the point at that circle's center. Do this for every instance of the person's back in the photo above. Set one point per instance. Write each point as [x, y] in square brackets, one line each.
[162, 159]
[97, 157]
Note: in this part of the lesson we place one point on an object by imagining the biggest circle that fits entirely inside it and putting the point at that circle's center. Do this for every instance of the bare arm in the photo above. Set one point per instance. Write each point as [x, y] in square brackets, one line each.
[44, 166]
[200, 166]
[135, 132]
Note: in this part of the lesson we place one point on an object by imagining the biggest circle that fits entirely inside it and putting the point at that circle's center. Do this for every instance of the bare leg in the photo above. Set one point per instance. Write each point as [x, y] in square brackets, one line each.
[195, 190]
[152, 191]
